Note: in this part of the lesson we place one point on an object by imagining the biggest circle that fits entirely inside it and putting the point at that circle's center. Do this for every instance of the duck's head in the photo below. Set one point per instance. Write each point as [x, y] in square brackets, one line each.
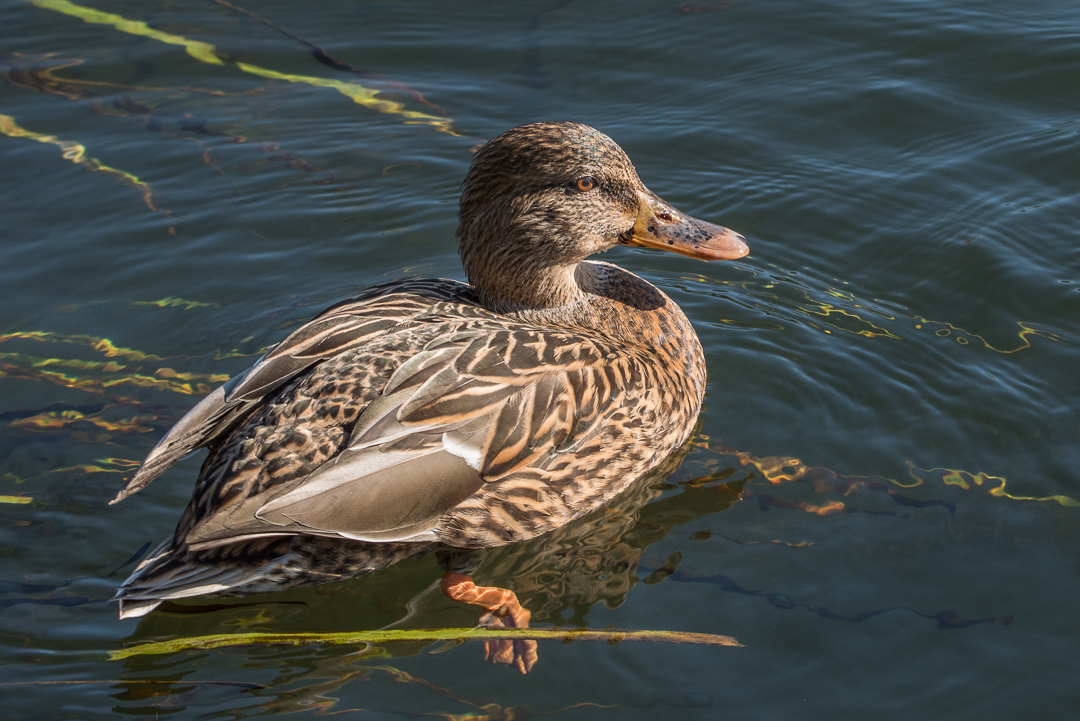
[541, 198]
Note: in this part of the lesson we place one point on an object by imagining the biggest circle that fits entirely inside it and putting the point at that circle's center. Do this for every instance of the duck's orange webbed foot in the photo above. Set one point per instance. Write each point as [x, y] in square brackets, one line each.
[504, 611]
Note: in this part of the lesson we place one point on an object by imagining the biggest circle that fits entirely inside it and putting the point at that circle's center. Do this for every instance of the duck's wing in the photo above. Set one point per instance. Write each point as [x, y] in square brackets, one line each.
[342, 327]
[473, 406]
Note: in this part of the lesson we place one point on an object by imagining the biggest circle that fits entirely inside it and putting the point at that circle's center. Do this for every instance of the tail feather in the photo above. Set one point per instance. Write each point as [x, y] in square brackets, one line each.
[259, 565]
[168, 575]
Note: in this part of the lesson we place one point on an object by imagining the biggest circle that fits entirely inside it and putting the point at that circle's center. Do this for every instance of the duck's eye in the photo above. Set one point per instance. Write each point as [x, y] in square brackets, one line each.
[584, 184]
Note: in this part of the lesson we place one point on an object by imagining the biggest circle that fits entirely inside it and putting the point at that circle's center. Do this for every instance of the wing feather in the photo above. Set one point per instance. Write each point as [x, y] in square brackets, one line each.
[483, 398]
[339, 329]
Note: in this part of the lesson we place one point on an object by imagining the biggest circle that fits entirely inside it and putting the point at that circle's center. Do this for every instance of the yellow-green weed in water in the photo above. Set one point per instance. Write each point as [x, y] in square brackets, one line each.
[422, 634]
[207, 53]
[76, 153]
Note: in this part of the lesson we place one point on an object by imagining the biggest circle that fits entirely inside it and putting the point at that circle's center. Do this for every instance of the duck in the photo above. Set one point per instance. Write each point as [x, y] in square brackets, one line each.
[435, 416]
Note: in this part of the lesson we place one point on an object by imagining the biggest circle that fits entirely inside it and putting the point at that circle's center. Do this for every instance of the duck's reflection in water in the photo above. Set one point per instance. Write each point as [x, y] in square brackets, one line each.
[561, 575]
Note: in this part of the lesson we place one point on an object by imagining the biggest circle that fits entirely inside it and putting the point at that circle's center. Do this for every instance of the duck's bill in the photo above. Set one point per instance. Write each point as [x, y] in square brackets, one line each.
[660, 226]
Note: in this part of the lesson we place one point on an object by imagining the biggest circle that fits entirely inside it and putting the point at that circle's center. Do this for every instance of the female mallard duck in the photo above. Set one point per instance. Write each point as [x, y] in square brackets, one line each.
[427, 415]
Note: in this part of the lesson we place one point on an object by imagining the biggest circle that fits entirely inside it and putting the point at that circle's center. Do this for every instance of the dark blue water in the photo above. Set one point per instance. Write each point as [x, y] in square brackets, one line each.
[882, 505]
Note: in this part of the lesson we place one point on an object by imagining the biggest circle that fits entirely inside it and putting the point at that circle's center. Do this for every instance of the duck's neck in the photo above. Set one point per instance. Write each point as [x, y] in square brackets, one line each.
[515, 285]
[617, 304]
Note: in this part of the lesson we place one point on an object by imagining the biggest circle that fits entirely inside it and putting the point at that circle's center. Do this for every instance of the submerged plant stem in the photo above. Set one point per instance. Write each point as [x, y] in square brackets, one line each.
[207, 53]
[423, 635]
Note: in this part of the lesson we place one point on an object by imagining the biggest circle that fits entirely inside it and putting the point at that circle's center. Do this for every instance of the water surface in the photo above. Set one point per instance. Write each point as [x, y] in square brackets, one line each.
[882, 501]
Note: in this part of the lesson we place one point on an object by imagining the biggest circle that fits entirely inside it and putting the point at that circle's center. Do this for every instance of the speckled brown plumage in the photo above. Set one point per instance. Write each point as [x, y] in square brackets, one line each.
[430, 414]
